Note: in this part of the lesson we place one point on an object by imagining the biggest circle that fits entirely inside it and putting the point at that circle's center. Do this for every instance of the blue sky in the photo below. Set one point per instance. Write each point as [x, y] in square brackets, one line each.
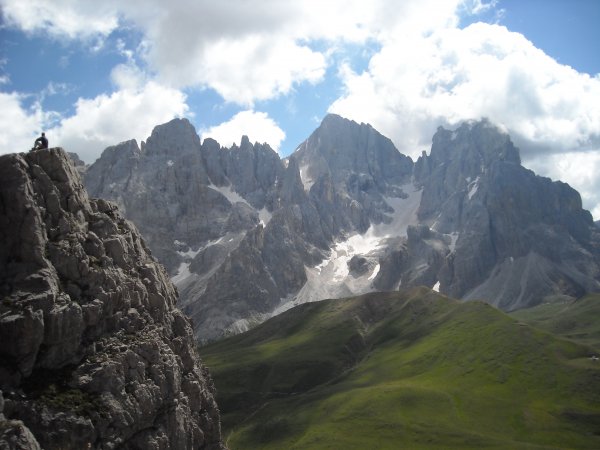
[94, 74]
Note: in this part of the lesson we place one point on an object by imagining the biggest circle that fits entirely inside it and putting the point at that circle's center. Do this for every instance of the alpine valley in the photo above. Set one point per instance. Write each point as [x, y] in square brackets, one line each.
[246, 235]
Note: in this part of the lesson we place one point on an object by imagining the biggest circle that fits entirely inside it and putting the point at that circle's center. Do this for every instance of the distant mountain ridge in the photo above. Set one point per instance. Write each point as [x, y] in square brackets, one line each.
[246, 234]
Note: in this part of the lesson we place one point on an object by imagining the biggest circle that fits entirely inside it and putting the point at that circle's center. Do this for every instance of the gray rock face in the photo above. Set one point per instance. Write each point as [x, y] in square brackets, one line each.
[185, 195]
[246, 235]
[93, 351]
[517, 237]
[351, 168]
[354, 155]
[216, 218]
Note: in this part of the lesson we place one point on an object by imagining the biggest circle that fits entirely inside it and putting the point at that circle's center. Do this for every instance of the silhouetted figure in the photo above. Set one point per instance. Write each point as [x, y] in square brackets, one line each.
[41, 142]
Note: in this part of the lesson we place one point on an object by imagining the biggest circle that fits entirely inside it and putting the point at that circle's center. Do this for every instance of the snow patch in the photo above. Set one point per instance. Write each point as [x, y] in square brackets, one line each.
[190, 254]
[170, 163]
[229, 194]
[331, 278]
[183, 273]
[453, 239]
[436, 287]
[335, 268]
[473, 188]
[405, 213]
[264, 216]
[306, 180]
[375, 272]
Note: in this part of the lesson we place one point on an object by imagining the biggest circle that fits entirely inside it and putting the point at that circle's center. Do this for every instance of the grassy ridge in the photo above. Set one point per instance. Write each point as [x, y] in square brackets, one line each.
[577, 320]
[404, 370]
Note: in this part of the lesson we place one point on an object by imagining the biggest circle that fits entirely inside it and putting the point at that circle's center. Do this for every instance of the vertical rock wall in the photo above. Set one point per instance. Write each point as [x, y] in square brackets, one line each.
[93, 352]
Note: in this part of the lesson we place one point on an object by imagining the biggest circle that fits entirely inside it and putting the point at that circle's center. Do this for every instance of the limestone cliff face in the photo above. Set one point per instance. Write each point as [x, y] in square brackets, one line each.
[350, 169]
[245, 234]
[516, 238]
[216, 218]
[93, 351]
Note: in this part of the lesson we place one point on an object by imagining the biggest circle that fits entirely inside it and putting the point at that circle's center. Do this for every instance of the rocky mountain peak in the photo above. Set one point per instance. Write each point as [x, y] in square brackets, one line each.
[341, 147]
[245, 143]
[458, 159]
[473, 142]
[119, 161]
[93, 351]
[174, 137]
[511, 232]
[291, 191]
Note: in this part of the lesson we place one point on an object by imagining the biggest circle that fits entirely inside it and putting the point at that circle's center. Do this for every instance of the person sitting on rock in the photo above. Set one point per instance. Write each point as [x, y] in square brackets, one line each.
[41, 142]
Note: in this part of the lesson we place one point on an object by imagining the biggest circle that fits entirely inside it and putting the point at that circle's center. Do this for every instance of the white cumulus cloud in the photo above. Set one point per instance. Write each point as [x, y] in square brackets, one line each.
[425, 71]
[244, 71]
[109, 119]
[19, 126]
[63, 18]
[258, 126]
[411, 87]
[483, 70]
[246, 50]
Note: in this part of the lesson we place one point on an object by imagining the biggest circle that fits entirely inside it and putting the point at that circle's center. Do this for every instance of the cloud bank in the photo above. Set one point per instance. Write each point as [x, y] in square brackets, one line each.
[483, 70]
[258, 126]
[129, 113]
[426, 71]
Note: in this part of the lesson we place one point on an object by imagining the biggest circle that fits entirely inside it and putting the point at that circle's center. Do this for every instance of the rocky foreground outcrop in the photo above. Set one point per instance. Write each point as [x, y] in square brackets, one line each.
[93, 351]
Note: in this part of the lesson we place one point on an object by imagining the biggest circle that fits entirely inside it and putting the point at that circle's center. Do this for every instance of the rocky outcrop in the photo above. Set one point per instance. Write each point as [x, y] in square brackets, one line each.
[77, 162]
[14, 434]
[93, 351]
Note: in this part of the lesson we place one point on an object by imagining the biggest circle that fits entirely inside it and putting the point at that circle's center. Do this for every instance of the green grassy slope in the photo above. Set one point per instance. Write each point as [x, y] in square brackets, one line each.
[578, 320]
[404, 370]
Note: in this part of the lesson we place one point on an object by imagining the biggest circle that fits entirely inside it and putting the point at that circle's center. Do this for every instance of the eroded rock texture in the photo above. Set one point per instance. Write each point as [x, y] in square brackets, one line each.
[245, 234]
[93, 351]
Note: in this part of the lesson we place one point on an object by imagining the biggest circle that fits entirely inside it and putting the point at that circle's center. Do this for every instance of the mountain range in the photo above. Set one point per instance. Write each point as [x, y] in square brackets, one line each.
[94, 352]
[245, 234]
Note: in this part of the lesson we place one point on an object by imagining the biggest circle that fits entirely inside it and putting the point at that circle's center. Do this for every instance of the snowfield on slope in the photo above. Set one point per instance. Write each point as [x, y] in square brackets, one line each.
[332, 279]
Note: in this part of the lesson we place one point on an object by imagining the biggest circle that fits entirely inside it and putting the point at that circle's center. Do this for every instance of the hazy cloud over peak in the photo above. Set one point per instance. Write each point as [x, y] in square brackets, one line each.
[459, 74]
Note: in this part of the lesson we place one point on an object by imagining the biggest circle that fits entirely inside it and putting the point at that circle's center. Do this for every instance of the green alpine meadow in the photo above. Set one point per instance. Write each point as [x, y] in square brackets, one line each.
[411, 369]
[577, 320]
